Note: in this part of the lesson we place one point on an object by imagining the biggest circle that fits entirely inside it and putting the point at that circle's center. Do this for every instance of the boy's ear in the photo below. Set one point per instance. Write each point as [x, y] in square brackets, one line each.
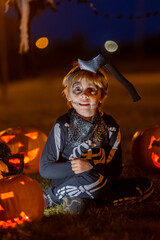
[102, 99]
[66, 94]
[103, 96]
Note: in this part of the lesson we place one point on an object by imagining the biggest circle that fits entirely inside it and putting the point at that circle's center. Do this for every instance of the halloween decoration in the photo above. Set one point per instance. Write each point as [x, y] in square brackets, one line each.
[21, 199]
[26, 141]
[99, 61]
[3, 169]
[146, 148]
[7, 168]
[26, 10]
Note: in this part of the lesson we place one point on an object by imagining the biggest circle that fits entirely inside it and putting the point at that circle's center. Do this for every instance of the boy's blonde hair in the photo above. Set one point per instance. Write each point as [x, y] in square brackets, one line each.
[99, 79]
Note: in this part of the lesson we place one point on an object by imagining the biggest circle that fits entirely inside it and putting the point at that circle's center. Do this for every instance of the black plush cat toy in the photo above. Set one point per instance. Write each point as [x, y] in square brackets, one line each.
[5, 156]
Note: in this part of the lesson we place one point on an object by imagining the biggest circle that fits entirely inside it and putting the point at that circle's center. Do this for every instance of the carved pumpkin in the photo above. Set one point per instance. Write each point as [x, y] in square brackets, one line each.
[146, 148]
[27, 141]
[20, 198]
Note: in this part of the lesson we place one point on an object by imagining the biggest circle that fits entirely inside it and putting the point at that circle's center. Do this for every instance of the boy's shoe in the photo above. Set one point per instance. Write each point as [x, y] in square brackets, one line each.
[74, 204]
[130, 191]
[48, 201]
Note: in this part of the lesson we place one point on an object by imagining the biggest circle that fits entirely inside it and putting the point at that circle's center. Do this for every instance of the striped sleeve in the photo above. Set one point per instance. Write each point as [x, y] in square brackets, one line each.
[114, 141]
[50, 167]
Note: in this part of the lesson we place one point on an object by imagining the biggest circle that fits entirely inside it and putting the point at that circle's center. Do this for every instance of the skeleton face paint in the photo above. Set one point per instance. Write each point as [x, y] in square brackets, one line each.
[85, 97]
[77, 89]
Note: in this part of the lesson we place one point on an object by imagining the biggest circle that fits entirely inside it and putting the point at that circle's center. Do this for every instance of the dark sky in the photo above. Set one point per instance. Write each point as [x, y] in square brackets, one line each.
[119, 20]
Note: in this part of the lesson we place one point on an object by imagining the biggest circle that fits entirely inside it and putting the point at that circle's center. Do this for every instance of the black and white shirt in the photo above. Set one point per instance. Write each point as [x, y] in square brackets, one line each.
[105, 157]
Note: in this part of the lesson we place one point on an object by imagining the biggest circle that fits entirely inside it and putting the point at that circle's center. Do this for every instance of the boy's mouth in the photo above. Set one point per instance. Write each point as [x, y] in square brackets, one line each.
[84, 104]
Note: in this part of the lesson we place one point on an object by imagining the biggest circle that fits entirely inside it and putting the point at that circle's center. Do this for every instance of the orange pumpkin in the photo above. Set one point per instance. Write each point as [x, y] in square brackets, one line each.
[146, 148]
[27, 141]
[20, 197]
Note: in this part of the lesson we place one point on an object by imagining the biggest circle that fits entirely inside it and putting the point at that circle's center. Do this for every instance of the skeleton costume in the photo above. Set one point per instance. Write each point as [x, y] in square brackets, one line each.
[98, 140]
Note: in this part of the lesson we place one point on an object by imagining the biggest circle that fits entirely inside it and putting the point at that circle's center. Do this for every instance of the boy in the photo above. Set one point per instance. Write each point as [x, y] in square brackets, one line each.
[82, 156]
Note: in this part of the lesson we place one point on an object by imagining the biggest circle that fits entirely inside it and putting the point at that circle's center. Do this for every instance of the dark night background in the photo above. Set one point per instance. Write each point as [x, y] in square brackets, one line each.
[79, 31]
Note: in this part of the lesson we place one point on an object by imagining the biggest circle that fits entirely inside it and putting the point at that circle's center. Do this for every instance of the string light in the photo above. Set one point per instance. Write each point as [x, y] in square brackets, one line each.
[24, 10]
[118, 16]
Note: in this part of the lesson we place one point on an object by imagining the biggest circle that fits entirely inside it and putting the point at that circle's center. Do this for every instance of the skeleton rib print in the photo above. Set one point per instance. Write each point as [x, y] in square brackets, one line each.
[88, 149]
[76, 191]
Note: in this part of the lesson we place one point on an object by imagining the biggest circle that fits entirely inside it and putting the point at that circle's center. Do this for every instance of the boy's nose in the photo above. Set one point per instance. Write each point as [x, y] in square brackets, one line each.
[85, 94]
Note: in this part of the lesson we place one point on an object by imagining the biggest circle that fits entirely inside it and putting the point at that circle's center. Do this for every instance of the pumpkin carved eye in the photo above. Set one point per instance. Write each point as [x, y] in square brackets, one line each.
[7, 138]
[7, 195]
[32, 135]
[154, 142]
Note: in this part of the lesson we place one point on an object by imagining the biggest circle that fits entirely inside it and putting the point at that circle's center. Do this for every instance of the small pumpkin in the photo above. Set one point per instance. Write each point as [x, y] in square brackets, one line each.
[146, 148]
[27, 141]
[20, 196]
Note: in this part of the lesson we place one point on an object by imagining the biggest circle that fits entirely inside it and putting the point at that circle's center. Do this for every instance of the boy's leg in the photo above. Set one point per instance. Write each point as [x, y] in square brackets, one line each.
[129, 191]
[91, 185]
[87, 185]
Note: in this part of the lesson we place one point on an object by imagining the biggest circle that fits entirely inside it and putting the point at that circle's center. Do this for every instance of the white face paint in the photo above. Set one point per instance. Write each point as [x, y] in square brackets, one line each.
[85, 97]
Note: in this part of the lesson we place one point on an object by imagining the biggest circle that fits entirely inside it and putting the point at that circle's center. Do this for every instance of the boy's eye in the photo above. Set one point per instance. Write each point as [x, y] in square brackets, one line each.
[93, 91]
[77, 90]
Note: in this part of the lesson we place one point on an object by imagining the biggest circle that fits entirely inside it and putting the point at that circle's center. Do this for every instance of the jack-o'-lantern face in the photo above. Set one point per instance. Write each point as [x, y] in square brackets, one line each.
[27, 141]
[154, 146]
[17, 201]
[146, 148]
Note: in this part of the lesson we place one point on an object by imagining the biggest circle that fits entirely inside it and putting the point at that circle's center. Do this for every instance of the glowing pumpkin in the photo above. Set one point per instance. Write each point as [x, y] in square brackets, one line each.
[20, 198]
[146, 148]
[26, 141]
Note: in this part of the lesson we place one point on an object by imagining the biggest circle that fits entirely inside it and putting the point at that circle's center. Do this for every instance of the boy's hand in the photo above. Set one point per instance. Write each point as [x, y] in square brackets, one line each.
[80, 165]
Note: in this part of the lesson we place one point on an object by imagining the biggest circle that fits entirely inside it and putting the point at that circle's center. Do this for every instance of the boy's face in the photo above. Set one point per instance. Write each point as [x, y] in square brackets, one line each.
[85, 97]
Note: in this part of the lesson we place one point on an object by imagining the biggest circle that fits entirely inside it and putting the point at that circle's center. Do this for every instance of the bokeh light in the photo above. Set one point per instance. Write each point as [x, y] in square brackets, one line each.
[42, 42]
[111, 46]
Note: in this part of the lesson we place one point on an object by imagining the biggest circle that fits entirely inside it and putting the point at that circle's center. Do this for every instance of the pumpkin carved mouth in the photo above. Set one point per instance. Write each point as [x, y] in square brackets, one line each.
[28, 157]
[155, 159]
[13, 223]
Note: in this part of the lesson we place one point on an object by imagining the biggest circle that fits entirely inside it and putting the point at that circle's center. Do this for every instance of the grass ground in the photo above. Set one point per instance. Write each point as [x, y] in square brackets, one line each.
[37, 103]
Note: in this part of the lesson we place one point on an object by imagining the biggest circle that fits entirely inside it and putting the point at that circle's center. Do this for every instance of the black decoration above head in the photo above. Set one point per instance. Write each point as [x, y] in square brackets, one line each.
[99, 61]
